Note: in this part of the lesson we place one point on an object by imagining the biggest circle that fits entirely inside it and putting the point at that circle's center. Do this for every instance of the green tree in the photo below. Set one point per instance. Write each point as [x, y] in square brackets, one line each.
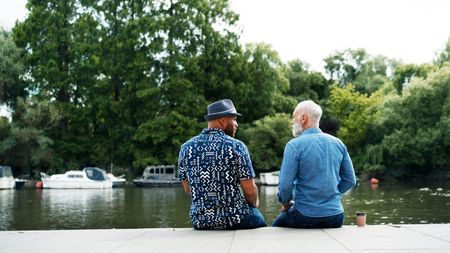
[365, 72]
[443, 55]
[24, 143]
[357, 115]
[12, 86]
[261, 82]
[403, 74]
[305, 84]
[416, 127]
[345, 66]
[266, 139]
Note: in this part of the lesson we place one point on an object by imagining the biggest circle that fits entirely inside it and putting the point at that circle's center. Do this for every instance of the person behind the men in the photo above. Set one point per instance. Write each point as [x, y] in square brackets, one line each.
[213, 168]
[316, 170]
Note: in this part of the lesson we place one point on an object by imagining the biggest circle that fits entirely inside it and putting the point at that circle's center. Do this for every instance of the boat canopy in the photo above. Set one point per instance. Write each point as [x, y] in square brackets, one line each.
[5, 171]
[95, 173]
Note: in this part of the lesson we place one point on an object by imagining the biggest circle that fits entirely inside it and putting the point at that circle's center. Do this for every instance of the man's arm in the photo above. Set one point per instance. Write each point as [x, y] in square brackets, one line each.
[347, 174]
[287, 176]
[250, 192]
[186, 187]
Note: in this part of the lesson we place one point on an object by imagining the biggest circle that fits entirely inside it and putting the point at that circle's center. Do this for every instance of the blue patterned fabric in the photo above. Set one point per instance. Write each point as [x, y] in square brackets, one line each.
[214, 163]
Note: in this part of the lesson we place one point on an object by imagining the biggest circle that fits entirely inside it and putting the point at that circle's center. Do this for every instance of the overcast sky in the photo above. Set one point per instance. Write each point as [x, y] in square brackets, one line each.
[310, 30]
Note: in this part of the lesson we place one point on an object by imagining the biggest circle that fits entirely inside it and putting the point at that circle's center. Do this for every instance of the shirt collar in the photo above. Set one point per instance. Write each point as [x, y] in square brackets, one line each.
[213, 131]
[312, 130]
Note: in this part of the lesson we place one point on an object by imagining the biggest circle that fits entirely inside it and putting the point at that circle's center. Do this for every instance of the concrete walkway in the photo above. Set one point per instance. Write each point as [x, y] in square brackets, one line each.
[374, 238]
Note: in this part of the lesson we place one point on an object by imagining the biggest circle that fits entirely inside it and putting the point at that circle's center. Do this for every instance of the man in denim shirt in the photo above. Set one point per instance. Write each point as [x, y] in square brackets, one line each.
[315, 172]
[213, 167]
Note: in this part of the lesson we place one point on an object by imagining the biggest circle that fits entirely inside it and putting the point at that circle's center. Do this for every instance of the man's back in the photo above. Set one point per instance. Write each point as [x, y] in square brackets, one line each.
[213, 164]
[322, 170]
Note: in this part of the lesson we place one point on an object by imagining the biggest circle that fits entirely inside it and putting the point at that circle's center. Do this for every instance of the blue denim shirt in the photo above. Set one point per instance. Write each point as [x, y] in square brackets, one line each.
[214, 163]
[315, 172]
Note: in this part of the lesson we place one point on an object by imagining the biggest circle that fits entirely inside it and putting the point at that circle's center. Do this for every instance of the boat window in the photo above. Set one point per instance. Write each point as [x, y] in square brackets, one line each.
[151, 171]
[75, 176]
[169, 170]
[156, 170]
[95, 174]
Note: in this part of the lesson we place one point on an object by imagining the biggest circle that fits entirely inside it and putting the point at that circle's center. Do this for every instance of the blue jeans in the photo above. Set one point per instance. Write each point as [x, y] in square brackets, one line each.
[253, 220]
[294, 219]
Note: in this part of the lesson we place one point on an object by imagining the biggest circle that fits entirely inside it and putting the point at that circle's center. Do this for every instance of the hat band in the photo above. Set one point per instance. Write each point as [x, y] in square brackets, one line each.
[222, 112]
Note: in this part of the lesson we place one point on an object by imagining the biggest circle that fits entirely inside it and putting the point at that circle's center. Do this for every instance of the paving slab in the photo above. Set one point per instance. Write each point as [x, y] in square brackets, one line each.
[433, 238]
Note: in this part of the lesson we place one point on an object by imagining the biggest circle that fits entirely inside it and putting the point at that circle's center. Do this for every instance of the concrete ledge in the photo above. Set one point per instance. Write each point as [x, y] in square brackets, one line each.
[377, 238]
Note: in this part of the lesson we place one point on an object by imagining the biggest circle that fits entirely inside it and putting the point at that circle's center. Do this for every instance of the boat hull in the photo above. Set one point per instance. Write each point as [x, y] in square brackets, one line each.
[67, 184]
[157, 183]
[7, 183]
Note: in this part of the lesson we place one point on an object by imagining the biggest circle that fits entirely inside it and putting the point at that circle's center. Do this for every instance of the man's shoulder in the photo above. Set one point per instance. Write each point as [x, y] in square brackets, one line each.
[190, 142]
[332, 138]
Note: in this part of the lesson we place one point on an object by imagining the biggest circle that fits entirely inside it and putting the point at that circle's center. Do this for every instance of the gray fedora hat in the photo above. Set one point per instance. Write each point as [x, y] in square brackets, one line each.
[220, 109]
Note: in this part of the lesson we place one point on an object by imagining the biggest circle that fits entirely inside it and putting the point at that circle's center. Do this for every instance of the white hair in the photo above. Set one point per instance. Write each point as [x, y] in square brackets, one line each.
[312, 109]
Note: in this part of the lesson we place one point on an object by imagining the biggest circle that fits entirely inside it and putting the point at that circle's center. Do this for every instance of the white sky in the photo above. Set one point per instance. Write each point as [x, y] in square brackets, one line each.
[310, 30]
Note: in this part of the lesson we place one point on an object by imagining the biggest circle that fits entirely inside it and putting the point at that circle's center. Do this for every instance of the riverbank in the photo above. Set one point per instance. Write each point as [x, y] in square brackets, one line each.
[433, 238]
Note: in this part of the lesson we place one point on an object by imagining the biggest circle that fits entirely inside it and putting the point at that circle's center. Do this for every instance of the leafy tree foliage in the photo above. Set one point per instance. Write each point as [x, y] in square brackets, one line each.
[444, 55]
[127, 82]
[403, 74]
[366, 73]
[416, 126]
[25, 143]
[12, 86]
[357, 114]
[266, 139]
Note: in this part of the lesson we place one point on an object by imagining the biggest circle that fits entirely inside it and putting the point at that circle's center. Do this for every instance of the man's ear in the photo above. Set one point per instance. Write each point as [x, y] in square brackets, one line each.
[222, 122]
[303, 118]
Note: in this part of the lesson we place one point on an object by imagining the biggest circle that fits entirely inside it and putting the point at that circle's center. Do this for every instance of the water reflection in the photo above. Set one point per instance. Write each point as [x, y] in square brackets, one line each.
[133, 207]
[6, 202]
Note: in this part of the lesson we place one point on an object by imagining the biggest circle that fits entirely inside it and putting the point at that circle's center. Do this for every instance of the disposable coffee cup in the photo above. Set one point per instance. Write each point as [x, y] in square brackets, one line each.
[360, 219]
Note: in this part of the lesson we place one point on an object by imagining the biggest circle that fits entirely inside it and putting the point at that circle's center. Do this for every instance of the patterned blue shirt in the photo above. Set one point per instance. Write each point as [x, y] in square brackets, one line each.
[318, 169]
[214, 163]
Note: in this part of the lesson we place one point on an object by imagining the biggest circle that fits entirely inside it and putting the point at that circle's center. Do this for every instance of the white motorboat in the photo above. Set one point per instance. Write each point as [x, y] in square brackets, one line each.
[158, 176]
[88, 178]
[269, 178]
[7, 180]
[116, 181]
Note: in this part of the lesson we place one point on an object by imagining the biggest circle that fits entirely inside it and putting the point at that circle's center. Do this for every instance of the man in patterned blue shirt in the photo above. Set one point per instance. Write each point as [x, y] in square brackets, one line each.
[214, 167]
[315, 172]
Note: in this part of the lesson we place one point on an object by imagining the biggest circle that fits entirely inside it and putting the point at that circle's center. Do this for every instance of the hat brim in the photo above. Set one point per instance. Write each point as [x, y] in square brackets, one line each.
[222, 115]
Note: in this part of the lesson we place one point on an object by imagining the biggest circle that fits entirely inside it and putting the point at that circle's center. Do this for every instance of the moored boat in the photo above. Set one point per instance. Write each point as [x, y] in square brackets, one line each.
[88, 178]
[116, 181]
[269, 178]
[158, 176]
[7, 180]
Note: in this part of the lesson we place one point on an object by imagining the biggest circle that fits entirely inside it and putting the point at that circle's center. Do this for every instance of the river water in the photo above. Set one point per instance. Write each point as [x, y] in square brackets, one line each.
[132, 207]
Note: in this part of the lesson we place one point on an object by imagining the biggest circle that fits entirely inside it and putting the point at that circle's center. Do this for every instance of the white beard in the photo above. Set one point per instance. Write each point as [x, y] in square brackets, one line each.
[297, 130]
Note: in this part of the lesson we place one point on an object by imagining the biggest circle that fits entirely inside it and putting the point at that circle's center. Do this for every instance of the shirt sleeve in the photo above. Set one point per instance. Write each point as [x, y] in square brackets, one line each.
[245, 163]
[181, 165]
[347, 174]
[288, 172]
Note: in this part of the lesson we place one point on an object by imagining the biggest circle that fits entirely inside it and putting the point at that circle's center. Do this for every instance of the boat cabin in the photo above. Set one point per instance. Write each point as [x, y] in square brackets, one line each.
[5, 171]
[160, 172]
[95, 173]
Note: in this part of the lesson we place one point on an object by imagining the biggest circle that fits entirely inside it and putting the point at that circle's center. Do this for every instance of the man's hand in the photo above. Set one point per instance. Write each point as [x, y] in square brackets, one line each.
[186, 187]
[285, 207]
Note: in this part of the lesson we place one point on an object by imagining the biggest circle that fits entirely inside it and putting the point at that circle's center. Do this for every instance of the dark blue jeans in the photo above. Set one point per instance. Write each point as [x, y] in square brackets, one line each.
[253, 220]
[294, 219]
